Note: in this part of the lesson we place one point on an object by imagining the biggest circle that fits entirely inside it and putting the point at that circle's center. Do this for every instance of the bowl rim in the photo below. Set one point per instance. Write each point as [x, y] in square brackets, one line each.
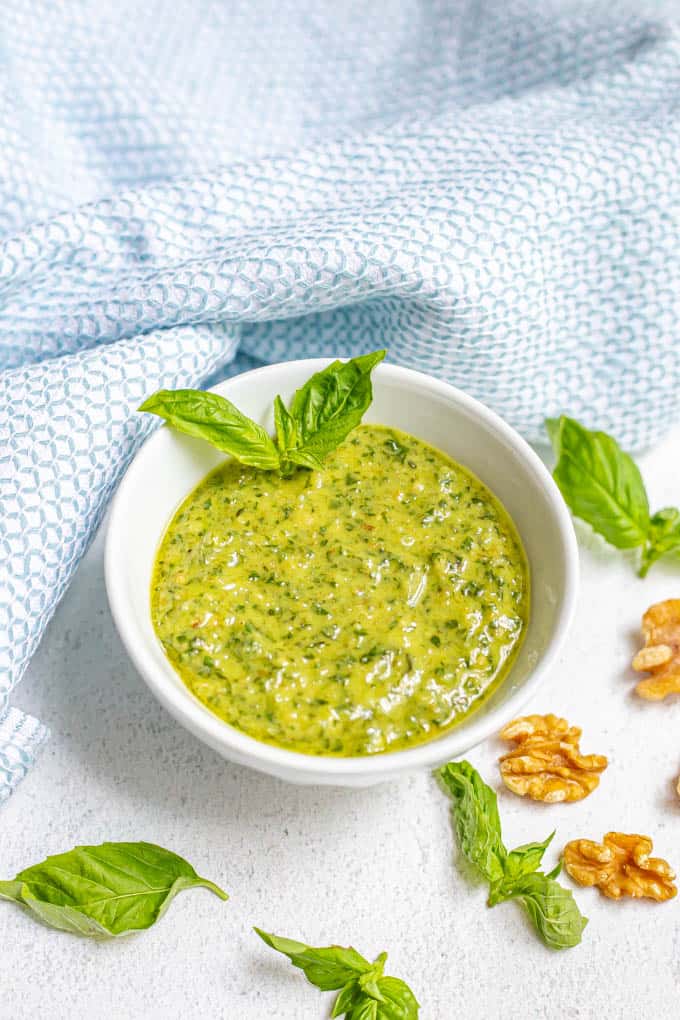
[240, 747]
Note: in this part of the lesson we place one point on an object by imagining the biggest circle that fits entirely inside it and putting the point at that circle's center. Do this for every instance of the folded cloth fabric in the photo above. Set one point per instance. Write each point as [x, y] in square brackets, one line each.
[489, 189]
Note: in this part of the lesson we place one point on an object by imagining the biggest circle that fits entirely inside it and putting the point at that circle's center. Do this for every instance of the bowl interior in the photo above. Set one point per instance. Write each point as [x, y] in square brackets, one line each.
[169, 465]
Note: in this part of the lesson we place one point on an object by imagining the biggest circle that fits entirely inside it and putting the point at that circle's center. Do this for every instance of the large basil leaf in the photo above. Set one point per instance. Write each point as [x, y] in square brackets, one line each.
[329, 406]
[476, 818]
[104, 891]
[552, 909]
[600, 483]
[214, 418]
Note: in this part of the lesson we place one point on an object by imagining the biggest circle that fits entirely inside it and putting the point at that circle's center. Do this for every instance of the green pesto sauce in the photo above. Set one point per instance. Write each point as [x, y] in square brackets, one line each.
[363, 608]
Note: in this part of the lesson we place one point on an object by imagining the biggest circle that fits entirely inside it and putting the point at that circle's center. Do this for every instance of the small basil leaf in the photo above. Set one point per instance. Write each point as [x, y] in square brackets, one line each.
[521, 861]
[364, 1009]
[312, 458]
[286, 430]
[665, 531]
[368, 982]
[601, 484]
[330, 405]
[104, 891]
[349, 997]
[664, 538]
[552, 909]
[328, 968]
[214, 418]
[476, 818]
[398, 1001]
[525, 859]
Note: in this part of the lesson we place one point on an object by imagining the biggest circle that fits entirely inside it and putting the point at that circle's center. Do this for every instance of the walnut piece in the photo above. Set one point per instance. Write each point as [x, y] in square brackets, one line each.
[620, 866]
[546, 763]
[661, 654]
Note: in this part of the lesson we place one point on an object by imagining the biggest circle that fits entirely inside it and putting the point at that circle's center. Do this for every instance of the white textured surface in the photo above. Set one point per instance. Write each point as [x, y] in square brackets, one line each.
[375, 868]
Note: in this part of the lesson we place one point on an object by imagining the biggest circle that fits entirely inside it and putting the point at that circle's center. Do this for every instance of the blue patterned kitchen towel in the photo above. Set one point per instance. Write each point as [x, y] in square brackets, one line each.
[489, 188]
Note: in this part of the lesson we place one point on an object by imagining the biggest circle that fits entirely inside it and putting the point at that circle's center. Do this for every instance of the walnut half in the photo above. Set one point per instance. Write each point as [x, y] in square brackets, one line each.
[661, 655]
[546, 763]
[620, 866]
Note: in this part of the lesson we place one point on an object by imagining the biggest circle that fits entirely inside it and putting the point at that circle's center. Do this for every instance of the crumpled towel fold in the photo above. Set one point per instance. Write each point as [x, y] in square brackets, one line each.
[490, 190]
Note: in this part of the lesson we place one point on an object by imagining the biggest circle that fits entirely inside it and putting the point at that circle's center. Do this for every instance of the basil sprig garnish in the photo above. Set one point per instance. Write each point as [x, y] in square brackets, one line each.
[603, 486]
[322, 414]
[364, 992]
[104, 891]
[512, 875]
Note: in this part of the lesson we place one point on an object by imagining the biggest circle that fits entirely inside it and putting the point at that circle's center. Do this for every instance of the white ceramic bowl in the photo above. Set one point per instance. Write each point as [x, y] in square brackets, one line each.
[170, 465]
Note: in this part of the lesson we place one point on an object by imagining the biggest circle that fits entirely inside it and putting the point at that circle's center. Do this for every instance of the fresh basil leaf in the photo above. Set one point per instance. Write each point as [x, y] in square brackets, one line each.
[521, 861]
[369, 986]
[364, 993]
[104, 891]
[311, 457]
[525, 859]
[476, 818]
[398, 1001]
[329, 406]
[286, 429]
[349, 997]
[664, 538]
[552, 910]
[511, 875]
[364, 1009]
[328, 968]
[214, 418]
[332, 391]
[368, 982]
[601, 484]
[666, 528]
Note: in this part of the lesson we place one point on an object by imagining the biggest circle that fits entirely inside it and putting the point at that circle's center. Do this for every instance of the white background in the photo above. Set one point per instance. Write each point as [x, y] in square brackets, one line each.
[375, 868]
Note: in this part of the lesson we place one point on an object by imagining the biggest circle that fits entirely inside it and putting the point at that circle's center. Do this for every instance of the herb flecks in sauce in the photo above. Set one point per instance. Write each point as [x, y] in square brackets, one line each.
[360, 608]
